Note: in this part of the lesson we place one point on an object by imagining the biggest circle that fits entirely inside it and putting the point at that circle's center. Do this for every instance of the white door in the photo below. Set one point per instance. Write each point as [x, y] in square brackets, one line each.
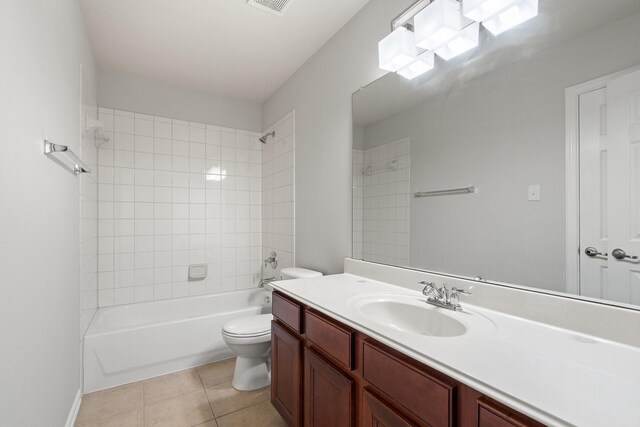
[623, 98]
[610, 191]
[593, 194]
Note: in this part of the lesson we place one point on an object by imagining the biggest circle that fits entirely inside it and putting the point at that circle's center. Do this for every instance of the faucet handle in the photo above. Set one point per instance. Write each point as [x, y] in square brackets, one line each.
[429, 288]
[455, 297]
[457, 291]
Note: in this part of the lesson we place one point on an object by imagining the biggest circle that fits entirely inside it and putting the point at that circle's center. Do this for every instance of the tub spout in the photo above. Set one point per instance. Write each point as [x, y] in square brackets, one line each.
[265, 281]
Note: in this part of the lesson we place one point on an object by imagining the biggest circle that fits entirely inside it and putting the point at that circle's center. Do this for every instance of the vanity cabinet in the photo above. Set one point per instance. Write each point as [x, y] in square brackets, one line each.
[326, 374]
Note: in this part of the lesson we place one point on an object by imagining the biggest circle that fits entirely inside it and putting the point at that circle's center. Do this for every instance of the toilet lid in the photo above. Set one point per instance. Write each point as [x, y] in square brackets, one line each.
[249, 326]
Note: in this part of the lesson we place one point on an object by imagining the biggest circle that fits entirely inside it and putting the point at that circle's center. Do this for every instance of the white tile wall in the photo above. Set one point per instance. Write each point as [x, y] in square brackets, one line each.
[358, 202]
[278, 194]
[385, 227]
[174, 193]
[88, 223]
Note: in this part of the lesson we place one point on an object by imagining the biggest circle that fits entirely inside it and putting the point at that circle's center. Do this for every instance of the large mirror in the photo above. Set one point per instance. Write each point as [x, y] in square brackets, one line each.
[516, 163]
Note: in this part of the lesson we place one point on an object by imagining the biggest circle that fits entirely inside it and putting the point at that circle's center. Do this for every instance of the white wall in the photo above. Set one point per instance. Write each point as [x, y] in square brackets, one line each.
[174, 193]
[501, 132]
[42, 44]
[320, 93]
[130, 93]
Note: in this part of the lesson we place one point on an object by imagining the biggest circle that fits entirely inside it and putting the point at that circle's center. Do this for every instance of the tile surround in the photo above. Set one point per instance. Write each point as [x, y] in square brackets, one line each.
[278, 194]
[174, 193]
[88, 223]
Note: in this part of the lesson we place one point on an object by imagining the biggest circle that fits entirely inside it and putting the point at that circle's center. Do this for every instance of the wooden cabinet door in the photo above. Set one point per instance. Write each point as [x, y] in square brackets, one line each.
[494, 414]
[286, 374]
[328, 394]
[375, 413]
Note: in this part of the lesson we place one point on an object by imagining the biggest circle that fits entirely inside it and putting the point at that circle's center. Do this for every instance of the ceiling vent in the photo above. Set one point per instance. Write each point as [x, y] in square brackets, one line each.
[277, 7]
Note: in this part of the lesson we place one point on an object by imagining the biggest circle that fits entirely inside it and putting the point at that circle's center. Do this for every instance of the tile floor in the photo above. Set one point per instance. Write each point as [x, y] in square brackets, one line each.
[200, 397]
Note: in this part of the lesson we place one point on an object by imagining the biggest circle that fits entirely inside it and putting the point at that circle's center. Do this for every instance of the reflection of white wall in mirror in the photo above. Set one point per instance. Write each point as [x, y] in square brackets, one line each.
[501, 132]
[385, 216]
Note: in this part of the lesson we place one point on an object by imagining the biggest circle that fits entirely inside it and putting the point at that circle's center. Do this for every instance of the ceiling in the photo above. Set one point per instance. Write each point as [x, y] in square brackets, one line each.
[558, 21]
[221, 47]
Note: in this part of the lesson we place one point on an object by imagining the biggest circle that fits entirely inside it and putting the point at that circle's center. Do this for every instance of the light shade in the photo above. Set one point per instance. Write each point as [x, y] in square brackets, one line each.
[438, 23]
[397, 50]
[479, 10]
[466, 40]
[423, 63]
[512, 16]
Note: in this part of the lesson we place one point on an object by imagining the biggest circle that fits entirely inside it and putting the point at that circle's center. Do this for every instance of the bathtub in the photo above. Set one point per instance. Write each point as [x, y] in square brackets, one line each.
[134, 342]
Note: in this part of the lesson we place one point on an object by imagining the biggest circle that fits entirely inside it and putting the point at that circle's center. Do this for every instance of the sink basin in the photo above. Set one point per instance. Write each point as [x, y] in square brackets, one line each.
[411, 315]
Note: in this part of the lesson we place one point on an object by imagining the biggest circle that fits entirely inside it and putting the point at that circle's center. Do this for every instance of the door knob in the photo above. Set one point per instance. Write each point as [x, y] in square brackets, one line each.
[621, 254]
[591, 251]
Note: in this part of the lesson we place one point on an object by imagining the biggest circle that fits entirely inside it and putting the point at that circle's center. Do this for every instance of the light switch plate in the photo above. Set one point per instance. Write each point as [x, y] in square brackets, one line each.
[534, 192]
[198, 271]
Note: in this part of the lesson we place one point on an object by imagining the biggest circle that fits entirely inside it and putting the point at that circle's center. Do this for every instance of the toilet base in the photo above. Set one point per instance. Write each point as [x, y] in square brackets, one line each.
[251, 373]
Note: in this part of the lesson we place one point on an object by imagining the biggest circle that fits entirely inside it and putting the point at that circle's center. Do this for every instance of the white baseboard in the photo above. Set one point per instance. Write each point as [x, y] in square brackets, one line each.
[73, 413]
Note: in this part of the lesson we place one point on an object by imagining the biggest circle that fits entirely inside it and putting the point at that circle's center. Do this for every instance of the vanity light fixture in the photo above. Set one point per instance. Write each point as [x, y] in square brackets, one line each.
[514, 15]
[479, 10]
[423, 63]
[447, 27]
[438, 23]
[464, 41]
[397, 50]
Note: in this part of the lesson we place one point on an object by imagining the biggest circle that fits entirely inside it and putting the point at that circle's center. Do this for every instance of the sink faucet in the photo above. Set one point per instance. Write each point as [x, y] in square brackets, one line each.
[442, 297]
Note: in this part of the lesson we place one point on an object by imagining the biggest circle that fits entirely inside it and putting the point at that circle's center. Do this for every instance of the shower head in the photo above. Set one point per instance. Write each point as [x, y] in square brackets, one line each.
[263, 139]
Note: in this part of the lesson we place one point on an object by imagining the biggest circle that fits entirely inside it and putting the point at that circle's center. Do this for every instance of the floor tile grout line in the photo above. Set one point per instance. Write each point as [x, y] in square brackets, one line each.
[246, 407]
[207, 396]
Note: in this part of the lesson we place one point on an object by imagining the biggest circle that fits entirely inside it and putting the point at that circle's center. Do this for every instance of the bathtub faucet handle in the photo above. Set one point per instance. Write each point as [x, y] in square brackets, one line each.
[272, 261]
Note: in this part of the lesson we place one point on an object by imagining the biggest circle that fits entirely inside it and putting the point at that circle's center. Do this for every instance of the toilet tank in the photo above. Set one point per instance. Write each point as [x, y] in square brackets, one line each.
[298, 273]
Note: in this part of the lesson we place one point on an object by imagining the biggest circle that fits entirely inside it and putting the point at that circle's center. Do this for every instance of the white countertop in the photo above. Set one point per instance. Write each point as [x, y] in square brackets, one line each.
[553, 375]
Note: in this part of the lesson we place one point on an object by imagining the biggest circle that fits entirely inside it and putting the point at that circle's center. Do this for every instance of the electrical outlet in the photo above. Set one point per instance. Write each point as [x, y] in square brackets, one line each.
[534, 192]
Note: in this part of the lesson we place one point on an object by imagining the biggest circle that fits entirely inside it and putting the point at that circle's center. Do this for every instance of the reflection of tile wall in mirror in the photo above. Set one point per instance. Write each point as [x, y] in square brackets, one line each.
[358, 187]
[385, 216]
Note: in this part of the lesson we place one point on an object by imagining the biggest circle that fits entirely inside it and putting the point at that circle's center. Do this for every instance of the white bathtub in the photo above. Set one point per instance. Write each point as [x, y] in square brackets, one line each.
[134, 342]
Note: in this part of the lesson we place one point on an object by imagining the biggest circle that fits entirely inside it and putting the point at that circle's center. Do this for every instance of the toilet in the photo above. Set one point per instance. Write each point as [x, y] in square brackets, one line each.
[249, 338]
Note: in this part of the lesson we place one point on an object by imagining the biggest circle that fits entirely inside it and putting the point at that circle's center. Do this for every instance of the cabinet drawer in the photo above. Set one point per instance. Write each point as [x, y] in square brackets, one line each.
[494, 414]
[335, 340]
[376, 413]
[289, 312]
[427, 397]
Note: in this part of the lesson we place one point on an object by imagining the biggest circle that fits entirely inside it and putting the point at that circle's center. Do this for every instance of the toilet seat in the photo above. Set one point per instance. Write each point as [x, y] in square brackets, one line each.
[239, 339]
[248, 327]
